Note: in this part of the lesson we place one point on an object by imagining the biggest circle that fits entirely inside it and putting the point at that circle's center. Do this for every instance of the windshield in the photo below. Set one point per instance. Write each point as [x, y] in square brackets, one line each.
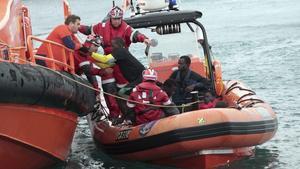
[171, 46]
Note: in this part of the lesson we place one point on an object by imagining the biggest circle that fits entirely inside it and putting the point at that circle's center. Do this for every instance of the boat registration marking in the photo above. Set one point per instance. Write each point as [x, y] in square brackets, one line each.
[123, 134]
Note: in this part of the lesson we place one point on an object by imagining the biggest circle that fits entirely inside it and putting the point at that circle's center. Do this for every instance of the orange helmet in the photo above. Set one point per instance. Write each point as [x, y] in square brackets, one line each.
[116, 13]
[150, 74]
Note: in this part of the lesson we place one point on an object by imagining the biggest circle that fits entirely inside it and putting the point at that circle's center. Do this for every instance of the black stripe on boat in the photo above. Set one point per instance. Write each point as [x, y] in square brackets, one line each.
[189, 134]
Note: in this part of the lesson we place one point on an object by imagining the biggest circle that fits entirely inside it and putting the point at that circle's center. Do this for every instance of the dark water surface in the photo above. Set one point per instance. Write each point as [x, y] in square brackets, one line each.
[258, 43]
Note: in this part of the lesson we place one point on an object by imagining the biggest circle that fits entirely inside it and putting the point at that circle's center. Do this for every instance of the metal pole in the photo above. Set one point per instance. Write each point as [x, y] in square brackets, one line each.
[207, 55]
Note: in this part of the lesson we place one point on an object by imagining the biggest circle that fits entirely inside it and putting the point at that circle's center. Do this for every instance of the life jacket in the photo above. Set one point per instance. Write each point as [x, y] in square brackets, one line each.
[57, 36]
[106, 61]
[180, 95]
[103, 61]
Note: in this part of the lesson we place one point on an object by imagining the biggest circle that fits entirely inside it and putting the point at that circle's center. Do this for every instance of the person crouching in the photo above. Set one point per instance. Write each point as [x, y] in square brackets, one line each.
[83, 62]
[144, 93]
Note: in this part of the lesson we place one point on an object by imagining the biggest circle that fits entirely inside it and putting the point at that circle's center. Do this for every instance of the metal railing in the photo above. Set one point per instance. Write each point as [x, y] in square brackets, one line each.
[66, 54]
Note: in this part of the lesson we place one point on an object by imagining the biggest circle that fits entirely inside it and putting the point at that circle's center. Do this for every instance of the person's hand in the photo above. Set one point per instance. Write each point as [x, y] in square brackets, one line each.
[147, 41]
[108, 71]
[201, 41]
[190, 88]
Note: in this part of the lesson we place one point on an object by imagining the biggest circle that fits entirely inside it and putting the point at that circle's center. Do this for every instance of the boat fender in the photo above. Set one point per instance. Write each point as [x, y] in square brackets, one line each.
[219, 86]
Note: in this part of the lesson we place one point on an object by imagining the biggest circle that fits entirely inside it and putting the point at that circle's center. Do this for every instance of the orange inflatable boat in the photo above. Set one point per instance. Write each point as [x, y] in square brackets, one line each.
[204, 138]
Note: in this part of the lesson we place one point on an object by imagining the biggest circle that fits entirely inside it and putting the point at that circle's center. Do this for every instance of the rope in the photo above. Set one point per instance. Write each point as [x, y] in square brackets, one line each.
[109, 94]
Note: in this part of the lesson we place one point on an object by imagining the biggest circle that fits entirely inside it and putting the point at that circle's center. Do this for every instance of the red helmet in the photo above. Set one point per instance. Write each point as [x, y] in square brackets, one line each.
[91, 39]
[150, 74]
[116, 12]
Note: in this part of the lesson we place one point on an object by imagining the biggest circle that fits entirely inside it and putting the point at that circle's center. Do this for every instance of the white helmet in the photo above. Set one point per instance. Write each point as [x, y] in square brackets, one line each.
[116, 12]
[150, 74]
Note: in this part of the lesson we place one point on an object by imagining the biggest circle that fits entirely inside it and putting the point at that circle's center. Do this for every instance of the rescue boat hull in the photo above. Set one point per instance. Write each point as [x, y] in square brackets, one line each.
[205, 138]
[39, 106]
[38, 114]
[33, 137]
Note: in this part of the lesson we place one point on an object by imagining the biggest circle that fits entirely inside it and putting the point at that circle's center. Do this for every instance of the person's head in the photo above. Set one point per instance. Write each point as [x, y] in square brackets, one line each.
[149, 75]
[117, 43]
[116, 16]
[92, 43]
[184, 63]
[169, 86]
[208, 97]
[73, 23]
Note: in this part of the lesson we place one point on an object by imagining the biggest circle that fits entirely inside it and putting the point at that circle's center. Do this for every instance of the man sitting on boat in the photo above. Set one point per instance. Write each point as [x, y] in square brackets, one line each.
[187, 81]
[148, 92]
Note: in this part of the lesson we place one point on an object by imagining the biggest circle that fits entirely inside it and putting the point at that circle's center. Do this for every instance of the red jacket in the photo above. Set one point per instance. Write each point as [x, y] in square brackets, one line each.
[142, 93]
[108, 32]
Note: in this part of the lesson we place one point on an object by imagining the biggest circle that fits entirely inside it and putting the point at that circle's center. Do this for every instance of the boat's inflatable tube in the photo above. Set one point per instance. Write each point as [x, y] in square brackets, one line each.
[32, 85]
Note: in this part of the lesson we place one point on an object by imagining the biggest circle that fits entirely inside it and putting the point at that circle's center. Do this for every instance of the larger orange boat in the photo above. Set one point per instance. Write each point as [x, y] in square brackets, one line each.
[205, 138]
[39, 106]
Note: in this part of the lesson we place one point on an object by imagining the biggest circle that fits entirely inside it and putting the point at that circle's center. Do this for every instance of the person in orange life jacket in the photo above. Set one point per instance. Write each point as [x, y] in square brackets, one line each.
[64, 35]
[148, 92]
[187, 81]
[83, 61]
[210, 101]
[114, 27]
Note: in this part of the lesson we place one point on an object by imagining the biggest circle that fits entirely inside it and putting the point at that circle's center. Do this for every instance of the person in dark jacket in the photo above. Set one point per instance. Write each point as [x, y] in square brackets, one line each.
[187, 81]
[130, 67]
